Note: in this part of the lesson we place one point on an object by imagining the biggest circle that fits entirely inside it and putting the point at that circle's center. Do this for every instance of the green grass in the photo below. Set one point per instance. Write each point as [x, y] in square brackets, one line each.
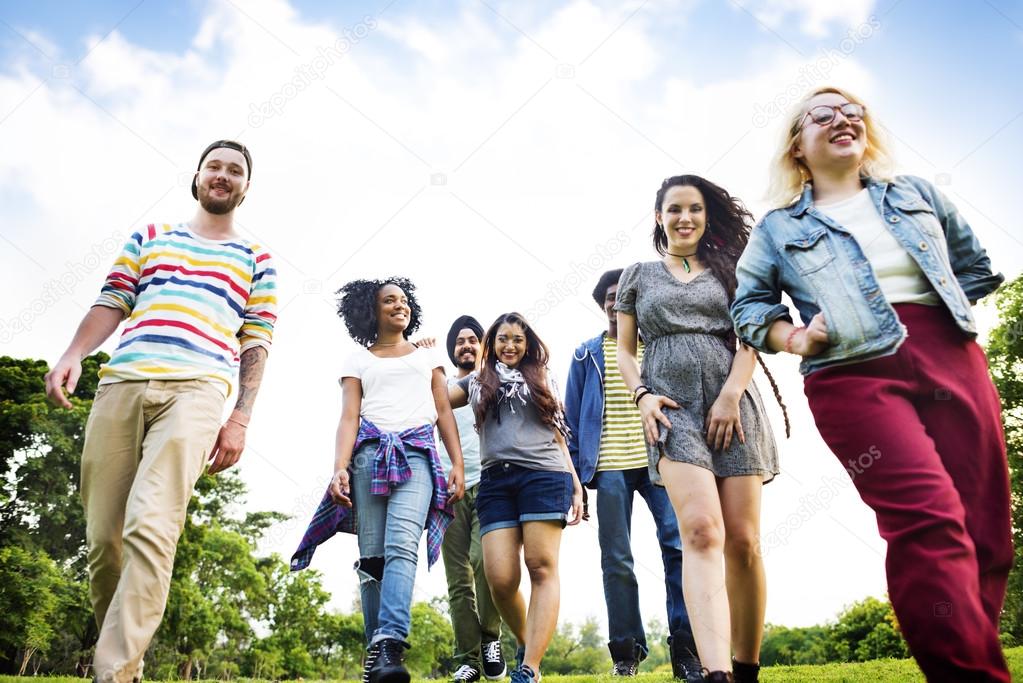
[884, 671]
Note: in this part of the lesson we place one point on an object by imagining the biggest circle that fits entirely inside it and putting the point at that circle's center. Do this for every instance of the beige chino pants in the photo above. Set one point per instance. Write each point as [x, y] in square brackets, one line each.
[146, 443]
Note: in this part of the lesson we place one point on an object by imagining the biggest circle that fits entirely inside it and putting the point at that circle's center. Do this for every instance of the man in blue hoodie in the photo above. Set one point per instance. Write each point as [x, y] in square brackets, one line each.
[609, 452]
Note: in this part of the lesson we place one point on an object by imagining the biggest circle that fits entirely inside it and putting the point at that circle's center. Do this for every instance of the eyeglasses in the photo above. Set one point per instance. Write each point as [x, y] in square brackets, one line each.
[824, 114]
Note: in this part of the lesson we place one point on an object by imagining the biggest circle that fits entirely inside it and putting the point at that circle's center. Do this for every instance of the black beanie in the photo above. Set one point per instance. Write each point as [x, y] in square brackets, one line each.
[229, 144]
[461, 323]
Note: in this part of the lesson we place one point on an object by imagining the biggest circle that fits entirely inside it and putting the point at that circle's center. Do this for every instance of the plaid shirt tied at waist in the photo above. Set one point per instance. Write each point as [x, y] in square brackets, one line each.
[390, 470]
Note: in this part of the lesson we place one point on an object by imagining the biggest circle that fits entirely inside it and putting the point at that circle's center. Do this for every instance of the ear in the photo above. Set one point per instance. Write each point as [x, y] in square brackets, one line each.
[657, 217]
[244, 192]
[797, 152]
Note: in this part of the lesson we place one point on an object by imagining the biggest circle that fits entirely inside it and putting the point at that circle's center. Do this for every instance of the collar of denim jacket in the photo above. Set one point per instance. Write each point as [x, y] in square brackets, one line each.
[806, 199]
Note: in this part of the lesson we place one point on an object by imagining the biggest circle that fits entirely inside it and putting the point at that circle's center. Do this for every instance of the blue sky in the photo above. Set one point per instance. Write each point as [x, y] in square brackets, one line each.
[542, 172]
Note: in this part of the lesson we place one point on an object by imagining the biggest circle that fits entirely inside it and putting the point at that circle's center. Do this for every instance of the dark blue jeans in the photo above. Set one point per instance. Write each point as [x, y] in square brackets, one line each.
[615, 489]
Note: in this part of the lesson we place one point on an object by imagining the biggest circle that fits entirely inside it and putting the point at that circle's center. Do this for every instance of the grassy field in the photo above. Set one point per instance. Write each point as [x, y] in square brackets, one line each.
[882, 671]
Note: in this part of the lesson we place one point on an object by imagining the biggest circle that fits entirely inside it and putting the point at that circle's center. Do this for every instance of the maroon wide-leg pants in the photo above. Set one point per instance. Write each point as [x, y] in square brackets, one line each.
[920, 433]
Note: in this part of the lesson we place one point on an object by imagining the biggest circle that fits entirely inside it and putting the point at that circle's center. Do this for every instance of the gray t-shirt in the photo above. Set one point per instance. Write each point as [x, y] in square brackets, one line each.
[514, 433]
[466, 421]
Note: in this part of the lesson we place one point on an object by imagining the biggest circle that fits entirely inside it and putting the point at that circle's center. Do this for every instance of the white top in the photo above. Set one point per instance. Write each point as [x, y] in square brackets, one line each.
[898, 275]
[396, 392]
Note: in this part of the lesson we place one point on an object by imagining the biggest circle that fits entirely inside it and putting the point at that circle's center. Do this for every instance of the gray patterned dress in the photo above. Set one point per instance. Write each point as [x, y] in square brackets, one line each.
[684, 326]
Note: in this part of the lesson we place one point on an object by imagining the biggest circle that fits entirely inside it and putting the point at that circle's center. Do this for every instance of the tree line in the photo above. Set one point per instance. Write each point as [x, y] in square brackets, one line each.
[236, 612]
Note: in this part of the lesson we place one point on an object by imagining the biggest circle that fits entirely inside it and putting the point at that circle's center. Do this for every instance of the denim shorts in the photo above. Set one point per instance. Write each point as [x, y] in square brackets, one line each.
[511, 494]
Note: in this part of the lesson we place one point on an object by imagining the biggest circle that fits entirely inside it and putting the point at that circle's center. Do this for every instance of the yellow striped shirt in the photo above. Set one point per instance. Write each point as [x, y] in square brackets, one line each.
[621, 439]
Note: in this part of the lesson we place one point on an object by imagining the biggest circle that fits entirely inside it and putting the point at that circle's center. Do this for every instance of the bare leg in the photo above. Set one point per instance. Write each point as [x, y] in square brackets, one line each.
[694, 496]
[501, 549]
[744, 564]
[541, 543]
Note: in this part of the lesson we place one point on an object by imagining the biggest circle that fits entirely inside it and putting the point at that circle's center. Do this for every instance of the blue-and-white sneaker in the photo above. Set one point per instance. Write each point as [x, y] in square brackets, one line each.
[525, 674]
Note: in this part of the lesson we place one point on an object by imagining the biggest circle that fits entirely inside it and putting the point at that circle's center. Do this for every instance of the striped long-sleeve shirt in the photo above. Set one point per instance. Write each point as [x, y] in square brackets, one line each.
[194, 305]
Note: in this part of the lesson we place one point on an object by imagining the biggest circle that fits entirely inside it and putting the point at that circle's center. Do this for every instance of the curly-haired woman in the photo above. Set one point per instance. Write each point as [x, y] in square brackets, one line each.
[528, 483]
[883, 271]
[386, 462]
[708, 437]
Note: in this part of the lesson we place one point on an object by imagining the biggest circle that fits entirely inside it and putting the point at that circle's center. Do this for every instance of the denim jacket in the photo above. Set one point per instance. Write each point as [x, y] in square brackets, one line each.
[584, 407]
[800, 251]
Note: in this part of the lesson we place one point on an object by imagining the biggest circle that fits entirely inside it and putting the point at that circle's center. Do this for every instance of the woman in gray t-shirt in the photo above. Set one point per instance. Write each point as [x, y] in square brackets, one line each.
[527, 485]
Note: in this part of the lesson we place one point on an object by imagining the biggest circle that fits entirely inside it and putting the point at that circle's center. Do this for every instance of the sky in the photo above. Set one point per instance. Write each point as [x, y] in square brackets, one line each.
[501, 155]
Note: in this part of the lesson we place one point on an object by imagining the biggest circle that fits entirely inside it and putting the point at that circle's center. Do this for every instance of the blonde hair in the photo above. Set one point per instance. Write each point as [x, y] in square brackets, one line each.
[788, 174]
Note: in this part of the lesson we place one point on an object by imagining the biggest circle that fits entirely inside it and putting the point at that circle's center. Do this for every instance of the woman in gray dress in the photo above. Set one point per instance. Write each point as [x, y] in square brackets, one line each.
[708, 437]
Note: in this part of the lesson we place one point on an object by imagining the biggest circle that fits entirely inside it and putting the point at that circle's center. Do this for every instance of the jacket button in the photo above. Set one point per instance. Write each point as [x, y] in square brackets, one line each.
[942, 282]
[894, 219]
[923, 246]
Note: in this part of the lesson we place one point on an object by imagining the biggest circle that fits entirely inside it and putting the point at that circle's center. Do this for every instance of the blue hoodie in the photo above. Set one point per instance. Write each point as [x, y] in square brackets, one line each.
[584, 406]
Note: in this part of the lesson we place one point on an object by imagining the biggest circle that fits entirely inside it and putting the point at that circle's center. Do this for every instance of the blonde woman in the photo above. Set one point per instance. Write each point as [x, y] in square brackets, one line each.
[883, 271]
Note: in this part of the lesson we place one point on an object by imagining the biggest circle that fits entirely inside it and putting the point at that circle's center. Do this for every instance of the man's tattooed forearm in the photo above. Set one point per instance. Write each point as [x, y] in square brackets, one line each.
[249, 376]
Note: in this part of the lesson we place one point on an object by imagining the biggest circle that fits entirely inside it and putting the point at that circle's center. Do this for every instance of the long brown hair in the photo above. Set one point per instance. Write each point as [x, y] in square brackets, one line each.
[533, 367]
[728, 227]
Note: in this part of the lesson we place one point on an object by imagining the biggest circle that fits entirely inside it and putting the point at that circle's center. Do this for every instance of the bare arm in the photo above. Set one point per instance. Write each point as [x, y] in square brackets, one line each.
[807, 341]
[449, 435]
[628, 364]
[457, 396]
[344, 441]
[97, 325]
[231, 439]
[576, 513]
[723, 417]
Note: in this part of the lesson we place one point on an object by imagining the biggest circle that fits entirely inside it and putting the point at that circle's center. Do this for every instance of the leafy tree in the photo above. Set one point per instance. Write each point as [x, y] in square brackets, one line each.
[867, 630]
[791, 646]
[30, 602]
[432, 640]
[1005, 358]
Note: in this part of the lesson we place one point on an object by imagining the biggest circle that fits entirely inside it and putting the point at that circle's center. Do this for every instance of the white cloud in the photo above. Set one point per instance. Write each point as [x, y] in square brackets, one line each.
[816, 19]
[543, 167]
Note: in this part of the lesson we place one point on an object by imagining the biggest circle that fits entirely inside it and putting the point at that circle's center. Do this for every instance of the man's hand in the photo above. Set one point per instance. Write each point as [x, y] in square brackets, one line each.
[67, 371]
[228, 448]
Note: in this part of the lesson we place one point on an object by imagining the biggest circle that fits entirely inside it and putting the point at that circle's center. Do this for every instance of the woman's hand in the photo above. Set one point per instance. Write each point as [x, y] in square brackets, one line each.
[812, 339]
[576, 514]
[456, 485]
[339, 488]
[650, 407]
[723, 421]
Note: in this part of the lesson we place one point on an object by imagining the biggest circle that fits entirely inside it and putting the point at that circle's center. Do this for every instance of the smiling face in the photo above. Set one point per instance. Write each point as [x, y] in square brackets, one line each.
[221, 180]
[609, 305]
[467, 349]
[393, 311]
[836, 146]
[683, 215]
[510, 344]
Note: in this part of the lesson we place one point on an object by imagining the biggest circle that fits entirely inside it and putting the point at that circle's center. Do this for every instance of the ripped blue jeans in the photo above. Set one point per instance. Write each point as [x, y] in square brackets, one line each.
[389, 529]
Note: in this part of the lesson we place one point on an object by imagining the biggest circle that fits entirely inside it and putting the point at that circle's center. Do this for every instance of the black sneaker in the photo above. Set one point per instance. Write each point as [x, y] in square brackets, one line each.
[685, 665]
[494, 666]
[717, 676]
[466, 673]
[384, 665]
[625, 654]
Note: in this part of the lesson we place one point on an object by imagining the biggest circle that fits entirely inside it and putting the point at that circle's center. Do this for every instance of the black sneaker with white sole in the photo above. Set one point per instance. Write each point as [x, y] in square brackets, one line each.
[494, 666]
[465, 674]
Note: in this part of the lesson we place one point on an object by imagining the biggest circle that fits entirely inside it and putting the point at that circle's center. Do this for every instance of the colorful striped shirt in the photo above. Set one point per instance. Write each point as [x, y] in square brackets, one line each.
[390, 470]
[622, 446]
[194, 305]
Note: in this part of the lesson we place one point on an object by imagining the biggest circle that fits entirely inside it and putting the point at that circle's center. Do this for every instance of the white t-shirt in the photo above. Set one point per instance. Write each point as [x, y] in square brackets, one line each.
[898, 275]
[396, 392]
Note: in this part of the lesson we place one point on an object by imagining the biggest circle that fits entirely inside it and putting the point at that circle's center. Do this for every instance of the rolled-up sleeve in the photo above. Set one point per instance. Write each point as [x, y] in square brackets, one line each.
[758, 294]
[121, 287]
[261, 308]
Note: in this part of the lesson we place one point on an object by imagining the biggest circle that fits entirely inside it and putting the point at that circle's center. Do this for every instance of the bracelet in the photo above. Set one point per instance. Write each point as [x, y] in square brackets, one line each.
[791, 337]
[641, 394]
[638, 387]
[237, 422]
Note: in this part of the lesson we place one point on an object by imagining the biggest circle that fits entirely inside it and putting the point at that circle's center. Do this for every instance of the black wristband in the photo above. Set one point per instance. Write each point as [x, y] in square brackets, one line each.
[641, 394]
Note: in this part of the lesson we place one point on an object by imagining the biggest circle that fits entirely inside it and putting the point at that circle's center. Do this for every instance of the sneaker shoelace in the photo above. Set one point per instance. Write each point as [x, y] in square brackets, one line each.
[626, 668]
[492, 651]
[466, 673]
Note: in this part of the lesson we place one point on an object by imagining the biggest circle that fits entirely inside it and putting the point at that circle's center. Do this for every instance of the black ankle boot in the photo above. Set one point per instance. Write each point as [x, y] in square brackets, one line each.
[718, 676]
[745, 673]
[384, 662]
